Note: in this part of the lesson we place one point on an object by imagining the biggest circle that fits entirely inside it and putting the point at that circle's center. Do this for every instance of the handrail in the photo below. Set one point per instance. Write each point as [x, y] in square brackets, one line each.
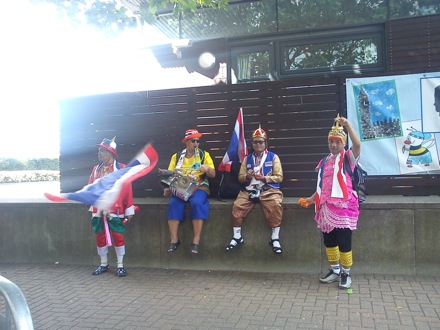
[16, 305]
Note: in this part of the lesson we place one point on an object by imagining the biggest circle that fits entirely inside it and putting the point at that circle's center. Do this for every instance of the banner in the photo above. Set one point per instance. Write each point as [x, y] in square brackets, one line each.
[104, 192]
[237, 149]
[397, 119]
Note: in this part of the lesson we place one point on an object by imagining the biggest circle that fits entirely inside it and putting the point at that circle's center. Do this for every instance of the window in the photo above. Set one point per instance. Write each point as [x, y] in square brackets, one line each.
[253, 63]
[356, 53]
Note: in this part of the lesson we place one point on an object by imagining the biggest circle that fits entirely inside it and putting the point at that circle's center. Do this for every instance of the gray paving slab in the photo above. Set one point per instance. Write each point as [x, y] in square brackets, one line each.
[69, 297]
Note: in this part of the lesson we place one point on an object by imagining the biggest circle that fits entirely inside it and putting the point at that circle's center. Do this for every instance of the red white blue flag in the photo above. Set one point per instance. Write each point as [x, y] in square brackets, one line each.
[104, 192]
[237, 149]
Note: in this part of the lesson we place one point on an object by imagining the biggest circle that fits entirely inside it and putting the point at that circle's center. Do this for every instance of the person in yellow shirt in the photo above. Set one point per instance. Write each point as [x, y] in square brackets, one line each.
[195, 162]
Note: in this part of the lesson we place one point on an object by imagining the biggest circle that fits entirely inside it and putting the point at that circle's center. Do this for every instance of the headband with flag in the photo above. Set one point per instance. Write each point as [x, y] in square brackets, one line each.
[337, 132]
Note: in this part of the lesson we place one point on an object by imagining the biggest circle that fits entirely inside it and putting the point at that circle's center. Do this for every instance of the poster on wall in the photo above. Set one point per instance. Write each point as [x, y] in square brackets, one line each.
[397, 119]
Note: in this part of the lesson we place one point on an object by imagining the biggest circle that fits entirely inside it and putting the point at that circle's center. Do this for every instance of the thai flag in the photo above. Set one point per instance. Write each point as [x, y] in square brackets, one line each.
[104, 192]
[237, 149]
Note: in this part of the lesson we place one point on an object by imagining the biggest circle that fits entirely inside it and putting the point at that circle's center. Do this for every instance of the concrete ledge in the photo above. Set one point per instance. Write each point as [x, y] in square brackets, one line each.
[396, 235]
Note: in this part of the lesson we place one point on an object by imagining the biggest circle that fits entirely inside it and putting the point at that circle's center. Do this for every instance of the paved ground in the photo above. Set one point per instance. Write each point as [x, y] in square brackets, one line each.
[69, 297]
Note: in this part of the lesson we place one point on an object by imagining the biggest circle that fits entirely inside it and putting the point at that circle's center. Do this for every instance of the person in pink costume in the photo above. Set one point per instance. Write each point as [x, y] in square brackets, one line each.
[336, 203]
[110, 224]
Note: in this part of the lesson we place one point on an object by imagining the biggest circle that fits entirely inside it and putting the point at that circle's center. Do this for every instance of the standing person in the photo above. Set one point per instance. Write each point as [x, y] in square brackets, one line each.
[111, 222]
[261, 172]
[195, 162]
[336, 203]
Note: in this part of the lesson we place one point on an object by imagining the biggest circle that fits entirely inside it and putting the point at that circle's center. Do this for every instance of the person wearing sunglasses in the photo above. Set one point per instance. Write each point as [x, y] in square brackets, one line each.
[261, 173]
[195, 162]
[110, 224]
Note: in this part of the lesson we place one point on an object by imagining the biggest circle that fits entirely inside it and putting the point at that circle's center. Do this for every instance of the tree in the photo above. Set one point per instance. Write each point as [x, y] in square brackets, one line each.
[113, 16]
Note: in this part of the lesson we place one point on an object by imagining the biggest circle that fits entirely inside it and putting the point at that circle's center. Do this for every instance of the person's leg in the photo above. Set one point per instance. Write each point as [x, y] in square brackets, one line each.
[176, 213]
[199, 213]
[119, 241]
[197, 226]
[344, 239]
[102, 248]
[101, 245]
[241, 207]
[271, 202]
[333, 256]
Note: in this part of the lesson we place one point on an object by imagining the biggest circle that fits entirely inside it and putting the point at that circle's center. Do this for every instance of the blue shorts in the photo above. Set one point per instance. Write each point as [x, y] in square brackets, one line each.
[199, 206]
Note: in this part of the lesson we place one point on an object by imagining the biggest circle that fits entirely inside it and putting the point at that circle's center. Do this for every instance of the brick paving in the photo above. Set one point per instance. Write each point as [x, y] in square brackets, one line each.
[69, 297]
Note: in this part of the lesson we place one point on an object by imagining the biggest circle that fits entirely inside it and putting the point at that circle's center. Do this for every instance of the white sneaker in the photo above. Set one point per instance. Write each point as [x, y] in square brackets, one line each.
[345, 281]
[330, 277]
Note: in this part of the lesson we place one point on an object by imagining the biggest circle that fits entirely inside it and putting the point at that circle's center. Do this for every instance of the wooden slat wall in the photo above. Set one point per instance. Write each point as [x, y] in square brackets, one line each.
[296, 114]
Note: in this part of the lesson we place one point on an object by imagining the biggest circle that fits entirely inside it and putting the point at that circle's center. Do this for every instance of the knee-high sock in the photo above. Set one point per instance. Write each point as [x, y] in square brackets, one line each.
[102, 252]
[346, 261]
[332, 254]
[120, 252]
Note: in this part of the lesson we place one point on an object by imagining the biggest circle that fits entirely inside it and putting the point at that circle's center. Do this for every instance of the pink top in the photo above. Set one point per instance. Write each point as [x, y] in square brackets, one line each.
[336, 212]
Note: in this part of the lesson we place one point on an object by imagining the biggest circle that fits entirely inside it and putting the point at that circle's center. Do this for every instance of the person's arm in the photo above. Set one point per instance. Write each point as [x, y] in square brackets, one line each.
[208, 166]
[277, 171]
[355, 142]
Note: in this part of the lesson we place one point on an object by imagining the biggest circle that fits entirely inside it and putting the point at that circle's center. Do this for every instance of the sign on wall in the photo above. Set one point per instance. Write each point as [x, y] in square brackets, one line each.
[398, 122]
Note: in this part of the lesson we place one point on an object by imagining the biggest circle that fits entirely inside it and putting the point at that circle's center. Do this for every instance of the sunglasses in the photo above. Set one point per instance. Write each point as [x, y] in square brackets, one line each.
[195, 141]
[259, 142]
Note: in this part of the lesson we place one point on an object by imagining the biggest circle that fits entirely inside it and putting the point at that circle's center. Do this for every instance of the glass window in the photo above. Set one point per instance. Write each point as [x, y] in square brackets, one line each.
[342, 54]
[410, 8]
[306, 14]
[253, 63]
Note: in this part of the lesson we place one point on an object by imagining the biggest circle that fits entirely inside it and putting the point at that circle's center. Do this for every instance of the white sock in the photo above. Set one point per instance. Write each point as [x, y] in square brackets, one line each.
[237, 232]
[276, 235]
[336, 269]
[346, 270]
[102, 252]
[120, 252]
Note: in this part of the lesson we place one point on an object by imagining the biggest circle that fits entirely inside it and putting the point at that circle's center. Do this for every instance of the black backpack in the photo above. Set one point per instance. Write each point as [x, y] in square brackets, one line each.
[358, 178]
[229, 186]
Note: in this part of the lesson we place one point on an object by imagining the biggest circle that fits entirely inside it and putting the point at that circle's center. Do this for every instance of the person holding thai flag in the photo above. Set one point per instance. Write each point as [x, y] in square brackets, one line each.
[261, 173]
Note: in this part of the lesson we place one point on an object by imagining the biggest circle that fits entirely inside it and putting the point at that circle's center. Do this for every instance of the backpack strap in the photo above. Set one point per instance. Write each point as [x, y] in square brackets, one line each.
[347, 166]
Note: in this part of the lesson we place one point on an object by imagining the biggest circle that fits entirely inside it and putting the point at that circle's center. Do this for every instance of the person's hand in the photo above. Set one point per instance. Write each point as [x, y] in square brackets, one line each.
[167, 192]
[249, 174]
[305, 202]
[260, 177]
[204, 168]
[343, 121]
[127, 219]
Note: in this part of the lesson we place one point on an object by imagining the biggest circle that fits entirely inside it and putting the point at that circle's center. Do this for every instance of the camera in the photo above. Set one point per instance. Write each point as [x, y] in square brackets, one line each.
[254, 195]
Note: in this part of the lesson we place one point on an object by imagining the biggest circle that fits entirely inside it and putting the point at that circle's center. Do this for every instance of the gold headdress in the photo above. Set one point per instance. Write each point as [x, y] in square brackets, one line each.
[259, 133]
[337, 132]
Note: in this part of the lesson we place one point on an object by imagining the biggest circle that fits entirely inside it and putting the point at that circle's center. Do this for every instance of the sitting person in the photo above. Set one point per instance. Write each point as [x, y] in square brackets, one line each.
[196, 162]
[262, 173]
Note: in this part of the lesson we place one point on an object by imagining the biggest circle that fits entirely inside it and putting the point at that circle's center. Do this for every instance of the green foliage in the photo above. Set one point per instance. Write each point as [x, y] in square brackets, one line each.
[28, 176]
[111, 16]
[12, 164]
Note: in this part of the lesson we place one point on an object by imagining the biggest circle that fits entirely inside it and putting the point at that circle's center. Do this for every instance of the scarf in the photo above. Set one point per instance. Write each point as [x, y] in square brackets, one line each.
[339, 180]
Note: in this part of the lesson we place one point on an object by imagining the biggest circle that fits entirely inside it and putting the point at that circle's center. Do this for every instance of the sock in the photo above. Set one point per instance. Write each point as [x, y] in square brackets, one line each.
[346, 270]
[276, 235]
[102, 252]
[237, 232]
[336, 269]
[120, 252]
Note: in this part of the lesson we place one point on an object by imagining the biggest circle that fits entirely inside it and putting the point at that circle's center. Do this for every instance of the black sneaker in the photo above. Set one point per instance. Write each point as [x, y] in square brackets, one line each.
[101, 269]
[121, 271]
[345, 281]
